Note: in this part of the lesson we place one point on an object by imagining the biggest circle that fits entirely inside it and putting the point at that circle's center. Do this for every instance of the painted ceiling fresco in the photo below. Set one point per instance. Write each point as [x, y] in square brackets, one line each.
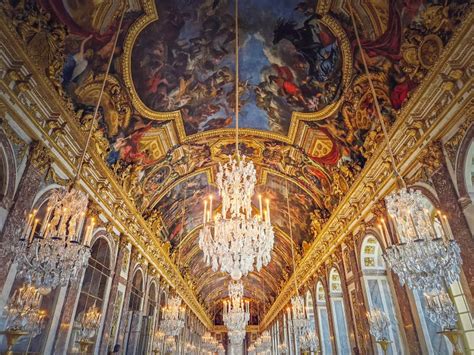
[185, 61]
[167, 113]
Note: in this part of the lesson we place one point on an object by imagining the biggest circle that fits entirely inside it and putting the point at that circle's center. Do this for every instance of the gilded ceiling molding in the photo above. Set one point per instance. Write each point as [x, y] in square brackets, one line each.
[39, 103]
[426, 116]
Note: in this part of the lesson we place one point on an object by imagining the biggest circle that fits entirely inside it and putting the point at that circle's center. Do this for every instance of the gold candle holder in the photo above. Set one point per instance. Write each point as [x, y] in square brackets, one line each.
[12, 337]
[453, 337]
[384, 343]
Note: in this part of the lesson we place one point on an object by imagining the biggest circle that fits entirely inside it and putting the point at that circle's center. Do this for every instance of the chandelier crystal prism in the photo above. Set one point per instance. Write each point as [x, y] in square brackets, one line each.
[173, 316]
[422, 260]
[234, 240]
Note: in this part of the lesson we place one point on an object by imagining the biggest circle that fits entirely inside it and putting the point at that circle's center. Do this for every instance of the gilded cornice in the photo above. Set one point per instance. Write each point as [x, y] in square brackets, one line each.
[424, 119]
[34, 102]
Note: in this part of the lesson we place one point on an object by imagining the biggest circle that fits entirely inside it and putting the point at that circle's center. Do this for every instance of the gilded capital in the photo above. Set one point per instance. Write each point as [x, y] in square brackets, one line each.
[39, 156]
[432, 157]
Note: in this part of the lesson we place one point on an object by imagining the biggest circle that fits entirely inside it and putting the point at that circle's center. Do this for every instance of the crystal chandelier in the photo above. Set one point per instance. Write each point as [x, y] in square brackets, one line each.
[266, 339]
[56, 254]
[379, 324]
[170, 344]
[282, 348]
[234, 240]
[158, 340]
[210, 344]
[379, 328]
[90, 323]
[263, 343]
[173, 316]
[236, 312]
[309, 340]
[297, 314]
[440, 309]
[421, 259]
[173, 313]
[23, 313]
[207, 338]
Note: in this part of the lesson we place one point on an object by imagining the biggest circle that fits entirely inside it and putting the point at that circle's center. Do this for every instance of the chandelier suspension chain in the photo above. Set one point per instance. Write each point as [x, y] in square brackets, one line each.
[376, 101]
[291, 235]
[237, 99]
[96, 110]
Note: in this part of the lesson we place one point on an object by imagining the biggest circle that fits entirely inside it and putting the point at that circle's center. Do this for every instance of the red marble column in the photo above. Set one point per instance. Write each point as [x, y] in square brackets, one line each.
[408, 322]
[67, 313]
[449, 198]
[116, 279]
[30, 184]
[360, 308]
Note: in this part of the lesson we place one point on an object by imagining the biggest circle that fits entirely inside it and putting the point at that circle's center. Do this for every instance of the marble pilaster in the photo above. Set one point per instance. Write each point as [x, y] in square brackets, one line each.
[30, 184]
[458, 224]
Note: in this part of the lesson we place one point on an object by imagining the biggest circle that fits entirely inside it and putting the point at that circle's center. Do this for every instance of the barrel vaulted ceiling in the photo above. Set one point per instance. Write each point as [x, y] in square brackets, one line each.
[307, 119]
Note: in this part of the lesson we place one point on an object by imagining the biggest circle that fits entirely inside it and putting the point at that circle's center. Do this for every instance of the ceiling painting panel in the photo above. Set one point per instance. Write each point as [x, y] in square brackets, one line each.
[185, 61]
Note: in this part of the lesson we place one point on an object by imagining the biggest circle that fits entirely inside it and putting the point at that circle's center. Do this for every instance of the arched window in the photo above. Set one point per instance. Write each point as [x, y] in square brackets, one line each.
[135, 315]
[338, 313]
[93, 290]
[310, 312]
[8, 168]
[136, 293]
[378, 290]
[469, 171]
[148, 326]
[324, 332]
